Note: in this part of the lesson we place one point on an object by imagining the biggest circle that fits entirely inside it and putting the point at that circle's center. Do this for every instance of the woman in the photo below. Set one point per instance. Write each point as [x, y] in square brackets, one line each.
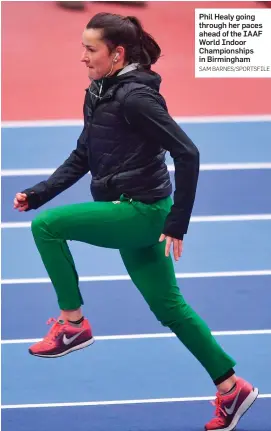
[126, 133]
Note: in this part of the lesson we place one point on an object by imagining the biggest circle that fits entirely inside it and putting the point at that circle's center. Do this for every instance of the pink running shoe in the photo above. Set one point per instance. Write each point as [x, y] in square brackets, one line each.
[63, 338]
[230, 408]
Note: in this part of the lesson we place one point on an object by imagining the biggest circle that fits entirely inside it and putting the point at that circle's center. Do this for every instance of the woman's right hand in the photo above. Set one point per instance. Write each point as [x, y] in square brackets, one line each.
[20, 202]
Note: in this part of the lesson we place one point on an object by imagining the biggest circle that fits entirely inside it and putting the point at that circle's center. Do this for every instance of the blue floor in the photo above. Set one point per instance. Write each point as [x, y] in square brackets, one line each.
[125, 369]
[139, 369]
[138, 417]
[105, 302]
[218, 193]
[205, 249]
[46, 147]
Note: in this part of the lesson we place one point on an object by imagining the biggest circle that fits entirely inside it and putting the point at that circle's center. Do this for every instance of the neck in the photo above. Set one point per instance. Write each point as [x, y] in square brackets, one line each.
[115, 69]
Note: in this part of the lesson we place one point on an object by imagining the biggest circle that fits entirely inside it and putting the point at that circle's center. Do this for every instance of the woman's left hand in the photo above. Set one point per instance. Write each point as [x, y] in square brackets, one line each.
[177, 246]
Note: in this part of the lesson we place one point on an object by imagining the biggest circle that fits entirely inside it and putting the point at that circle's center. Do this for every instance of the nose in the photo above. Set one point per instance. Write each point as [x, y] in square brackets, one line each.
[84, 58]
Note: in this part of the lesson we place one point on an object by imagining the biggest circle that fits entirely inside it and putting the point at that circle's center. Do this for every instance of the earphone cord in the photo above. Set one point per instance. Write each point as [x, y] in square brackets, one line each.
[108, 74]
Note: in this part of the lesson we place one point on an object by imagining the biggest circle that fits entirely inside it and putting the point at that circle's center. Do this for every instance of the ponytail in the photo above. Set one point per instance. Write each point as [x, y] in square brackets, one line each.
[149, 51]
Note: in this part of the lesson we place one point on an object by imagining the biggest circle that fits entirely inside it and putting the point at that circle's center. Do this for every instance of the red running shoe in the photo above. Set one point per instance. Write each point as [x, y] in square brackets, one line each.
[63, 338]
[230, 408]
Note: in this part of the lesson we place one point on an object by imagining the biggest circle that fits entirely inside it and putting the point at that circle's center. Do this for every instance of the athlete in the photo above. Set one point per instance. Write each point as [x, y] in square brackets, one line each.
[127, 131]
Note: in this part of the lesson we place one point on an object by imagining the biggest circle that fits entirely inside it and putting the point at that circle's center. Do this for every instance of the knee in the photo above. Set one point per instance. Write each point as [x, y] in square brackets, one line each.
[39, 225]
[171, 312]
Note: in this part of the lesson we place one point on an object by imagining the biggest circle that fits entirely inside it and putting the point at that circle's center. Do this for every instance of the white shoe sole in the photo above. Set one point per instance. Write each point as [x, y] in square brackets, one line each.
[72, 349]
[242, 410]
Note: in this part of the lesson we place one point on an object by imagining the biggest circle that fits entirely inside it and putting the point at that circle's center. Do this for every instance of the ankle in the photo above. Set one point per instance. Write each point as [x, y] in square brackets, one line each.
[227, 386]
[78, 322]
[71, 315]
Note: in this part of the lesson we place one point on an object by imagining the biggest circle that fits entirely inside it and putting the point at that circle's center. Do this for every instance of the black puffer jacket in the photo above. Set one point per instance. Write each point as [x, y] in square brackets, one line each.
[127, 131]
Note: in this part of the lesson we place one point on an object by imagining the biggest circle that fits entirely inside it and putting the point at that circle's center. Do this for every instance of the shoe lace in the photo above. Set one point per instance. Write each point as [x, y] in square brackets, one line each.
[217, 404]
[53, 333]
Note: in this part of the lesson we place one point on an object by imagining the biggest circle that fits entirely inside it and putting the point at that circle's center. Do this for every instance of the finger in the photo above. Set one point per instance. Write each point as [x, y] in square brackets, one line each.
[168, 245]
[180, 248]
[16, 203]
[23, 208]
[176, 249]
[21, 197]
[19, 204]
[162, 238]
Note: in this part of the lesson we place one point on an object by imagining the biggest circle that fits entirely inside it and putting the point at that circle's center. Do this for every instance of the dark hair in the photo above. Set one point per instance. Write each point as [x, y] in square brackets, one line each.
[140, 46]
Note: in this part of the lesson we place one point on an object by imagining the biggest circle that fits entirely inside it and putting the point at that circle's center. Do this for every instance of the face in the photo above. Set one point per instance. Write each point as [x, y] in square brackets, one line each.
[97, 57]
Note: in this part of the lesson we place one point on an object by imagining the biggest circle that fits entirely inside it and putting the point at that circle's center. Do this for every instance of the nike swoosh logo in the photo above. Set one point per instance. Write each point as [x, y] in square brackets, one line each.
[68, 341]
[231, 409]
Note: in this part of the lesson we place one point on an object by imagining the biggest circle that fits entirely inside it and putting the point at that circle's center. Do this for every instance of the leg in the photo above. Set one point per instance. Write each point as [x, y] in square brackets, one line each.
[103, 224]
[98, 223]
[125, 224]
[153, 274]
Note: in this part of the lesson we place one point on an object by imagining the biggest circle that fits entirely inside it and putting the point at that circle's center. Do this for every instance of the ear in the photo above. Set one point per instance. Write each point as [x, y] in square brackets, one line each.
[119, 54]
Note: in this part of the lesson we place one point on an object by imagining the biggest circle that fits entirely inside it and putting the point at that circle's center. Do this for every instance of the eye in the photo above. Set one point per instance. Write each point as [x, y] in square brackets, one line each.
[90, 50]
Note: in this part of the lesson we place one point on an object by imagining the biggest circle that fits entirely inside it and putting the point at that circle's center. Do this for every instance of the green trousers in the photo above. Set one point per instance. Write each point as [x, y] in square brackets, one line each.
[134, 229]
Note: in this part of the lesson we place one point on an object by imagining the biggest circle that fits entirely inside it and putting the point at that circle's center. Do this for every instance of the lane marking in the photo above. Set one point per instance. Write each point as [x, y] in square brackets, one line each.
[178, 275]
[232, 166]
[194, 219]
[116, 402]
[26, 172]
[191, 119]
[149, 336]
[203, 167]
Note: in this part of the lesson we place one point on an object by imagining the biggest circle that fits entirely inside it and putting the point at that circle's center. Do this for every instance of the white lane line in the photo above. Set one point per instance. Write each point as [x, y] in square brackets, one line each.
[15, 225]
[171, 168]
[232, 166]
[178, 119]
[180, 275]
[194, 219]
[26, 172]
[224, 119]
[116, 402]
[81, 279]
[149, 336]
[44, 123]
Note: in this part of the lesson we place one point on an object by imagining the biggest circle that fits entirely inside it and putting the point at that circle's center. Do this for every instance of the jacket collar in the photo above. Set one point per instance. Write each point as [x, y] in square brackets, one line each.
[129, 68]
[104, 88]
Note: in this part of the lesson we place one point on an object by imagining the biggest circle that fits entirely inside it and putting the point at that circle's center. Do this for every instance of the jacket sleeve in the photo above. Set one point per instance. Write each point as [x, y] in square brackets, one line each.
[149, 117]
[74, 168]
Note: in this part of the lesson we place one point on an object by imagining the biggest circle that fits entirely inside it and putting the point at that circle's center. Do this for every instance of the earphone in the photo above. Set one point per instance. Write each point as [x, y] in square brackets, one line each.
[116, 58]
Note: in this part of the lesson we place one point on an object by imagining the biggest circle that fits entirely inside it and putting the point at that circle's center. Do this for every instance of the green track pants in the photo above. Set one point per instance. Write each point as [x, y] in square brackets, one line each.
[134, 229]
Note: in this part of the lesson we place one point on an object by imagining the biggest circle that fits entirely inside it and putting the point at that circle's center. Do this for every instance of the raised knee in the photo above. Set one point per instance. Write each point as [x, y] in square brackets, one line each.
[38, 224]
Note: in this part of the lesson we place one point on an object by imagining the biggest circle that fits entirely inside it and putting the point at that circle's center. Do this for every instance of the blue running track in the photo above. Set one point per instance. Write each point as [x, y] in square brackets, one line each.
[137, 376]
